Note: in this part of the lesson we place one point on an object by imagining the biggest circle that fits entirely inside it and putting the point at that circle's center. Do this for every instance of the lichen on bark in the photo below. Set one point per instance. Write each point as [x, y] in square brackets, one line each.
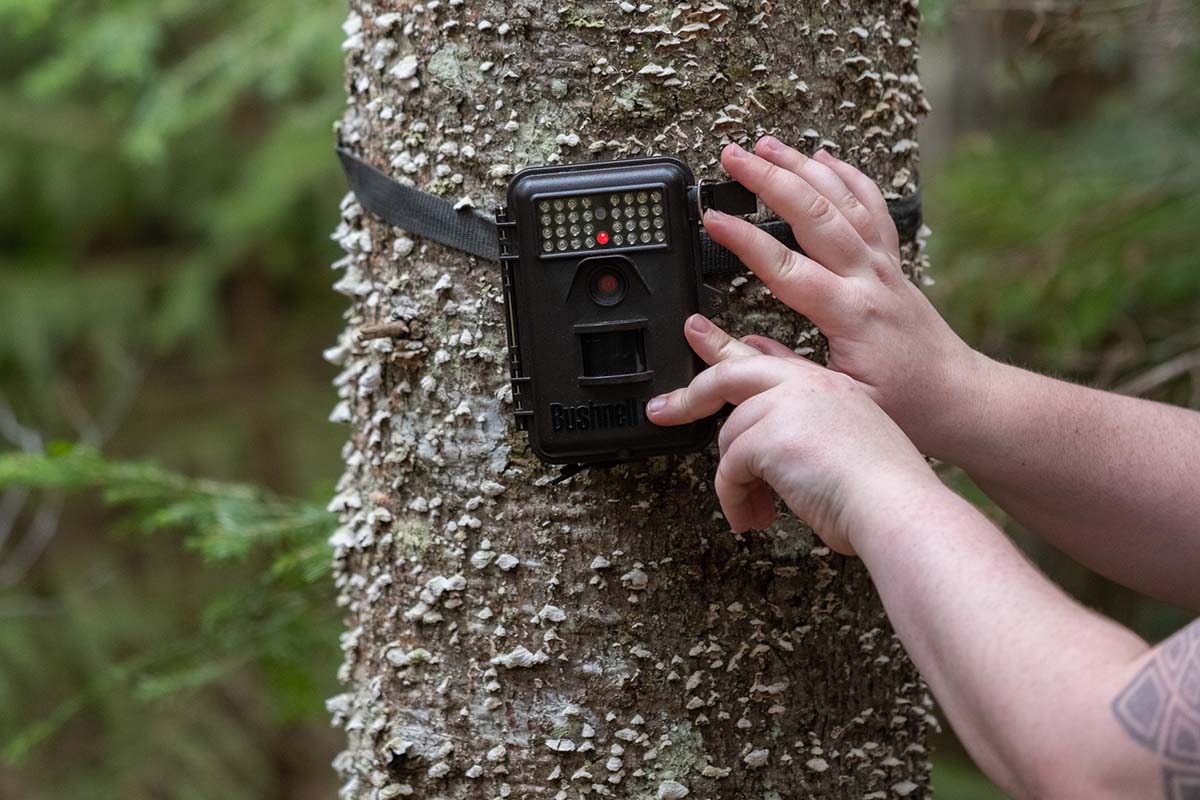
[608, 637]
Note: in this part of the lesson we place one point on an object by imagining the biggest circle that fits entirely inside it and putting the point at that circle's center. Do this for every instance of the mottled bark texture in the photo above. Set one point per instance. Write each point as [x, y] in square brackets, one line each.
[608, 637]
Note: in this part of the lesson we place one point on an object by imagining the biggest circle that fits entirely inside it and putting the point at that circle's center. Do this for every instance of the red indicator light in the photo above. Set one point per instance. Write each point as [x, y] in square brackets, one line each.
[602, 237]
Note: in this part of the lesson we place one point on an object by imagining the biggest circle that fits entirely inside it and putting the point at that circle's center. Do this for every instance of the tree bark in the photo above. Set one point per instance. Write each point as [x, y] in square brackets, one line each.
[607, 637]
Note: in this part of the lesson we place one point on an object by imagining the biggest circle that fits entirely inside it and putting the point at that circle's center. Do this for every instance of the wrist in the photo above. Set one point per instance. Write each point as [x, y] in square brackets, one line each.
[895, 507]
[962, 413]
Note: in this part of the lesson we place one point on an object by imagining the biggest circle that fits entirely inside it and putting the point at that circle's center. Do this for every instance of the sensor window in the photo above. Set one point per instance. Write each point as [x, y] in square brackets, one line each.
[613, 353]
[606, 285]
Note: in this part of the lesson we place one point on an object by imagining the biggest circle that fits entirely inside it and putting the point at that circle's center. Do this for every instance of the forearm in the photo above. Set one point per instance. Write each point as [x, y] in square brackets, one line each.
[1024, 674]
[1110, 480]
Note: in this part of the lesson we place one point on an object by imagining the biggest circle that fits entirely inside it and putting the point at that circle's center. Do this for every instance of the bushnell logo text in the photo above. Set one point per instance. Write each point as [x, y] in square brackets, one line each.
[593, 416]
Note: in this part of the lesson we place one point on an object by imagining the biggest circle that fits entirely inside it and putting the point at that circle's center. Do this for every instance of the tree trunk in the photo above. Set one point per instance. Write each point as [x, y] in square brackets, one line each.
[607, 637]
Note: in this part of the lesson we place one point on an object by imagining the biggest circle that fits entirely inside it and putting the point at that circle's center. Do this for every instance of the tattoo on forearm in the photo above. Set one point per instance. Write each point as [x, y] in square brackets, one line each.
[1160, 710]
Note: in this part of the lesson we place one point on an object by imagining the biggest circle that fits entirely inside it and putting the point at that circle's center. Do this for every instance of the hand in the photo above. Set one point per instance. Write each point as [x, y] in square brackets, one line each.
[882, 330]
[811, 434]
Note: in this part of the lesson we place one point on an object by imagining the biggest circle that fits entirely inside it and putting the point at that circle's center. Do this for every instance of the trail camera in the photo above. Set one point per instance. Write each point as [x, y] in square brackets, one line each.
[601, 267]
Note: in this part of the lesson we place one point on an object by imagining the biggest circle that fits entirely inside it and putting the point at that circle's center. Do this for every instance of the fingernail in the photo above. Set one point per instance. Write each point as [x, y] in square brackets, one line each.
[656, 404]
[712, 215]
[699, 323]
[822, 155]
[769, 143]
[735, 150]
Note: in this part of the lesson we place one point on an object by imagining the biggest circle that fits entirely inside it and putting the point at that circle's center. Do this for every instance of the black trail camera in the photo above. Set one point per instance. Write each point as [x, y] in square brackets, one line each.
[601, 267]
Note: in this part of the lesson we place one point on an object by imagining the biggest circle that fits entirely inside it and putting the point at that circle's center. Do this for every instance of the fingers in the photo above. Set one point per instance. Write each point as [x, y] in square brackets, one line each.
[731, 381]
[758, 497]
[711, 343]
[769, 347]
[819, 226]
[762, 501]
[745, 498]
[743, 418]
[798, 281]
[740, 375]
[868, 194]
[826, 180]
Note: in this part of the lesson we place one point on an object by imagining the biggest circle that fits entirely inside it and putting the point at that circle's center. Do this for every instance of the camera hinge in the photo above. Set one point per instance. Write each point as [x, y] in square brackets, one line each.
[506, 229]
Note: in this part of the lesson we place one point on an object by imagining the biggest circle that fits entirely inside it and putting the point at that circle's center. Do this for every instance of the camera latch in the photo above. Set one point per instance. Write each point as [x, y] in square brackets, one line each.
[728, 197]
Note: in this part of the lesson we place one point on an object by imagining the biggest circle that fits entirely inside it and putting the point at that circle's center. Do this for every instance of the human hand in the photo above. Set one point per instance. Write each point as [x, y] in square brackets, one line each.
[811, 434]
[882, 330]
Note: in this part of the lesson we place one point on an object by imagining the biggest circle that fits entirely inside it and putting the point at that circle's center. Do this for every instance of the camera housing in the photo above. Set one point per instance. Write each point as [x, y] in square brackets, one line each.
[601, 267]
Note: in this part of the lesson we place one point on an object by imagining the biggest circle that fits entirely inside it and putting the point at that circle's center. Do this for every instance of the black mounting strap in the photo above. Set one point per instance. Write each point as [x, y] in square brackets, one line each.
[472, 231]
[419, 212]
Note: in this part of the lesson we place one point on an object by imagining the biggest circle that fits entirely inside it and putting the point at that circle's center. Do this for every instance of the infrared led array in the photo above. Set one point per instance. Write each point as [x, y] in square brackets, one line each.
[634, 218]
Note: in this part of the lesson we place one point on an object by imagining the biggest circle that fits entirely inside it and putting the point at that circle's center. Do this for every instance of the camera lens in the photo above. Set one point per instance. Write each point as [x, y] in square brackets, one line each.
[606, 286]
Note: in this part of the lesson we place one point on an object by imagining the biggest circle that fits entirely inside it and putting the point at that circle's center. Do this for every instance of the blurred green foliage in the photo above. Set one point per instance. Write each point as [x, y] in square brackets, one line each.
[223, 521]
[148, 149]
[1075, 249]
[166, 193]
[154, 671]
